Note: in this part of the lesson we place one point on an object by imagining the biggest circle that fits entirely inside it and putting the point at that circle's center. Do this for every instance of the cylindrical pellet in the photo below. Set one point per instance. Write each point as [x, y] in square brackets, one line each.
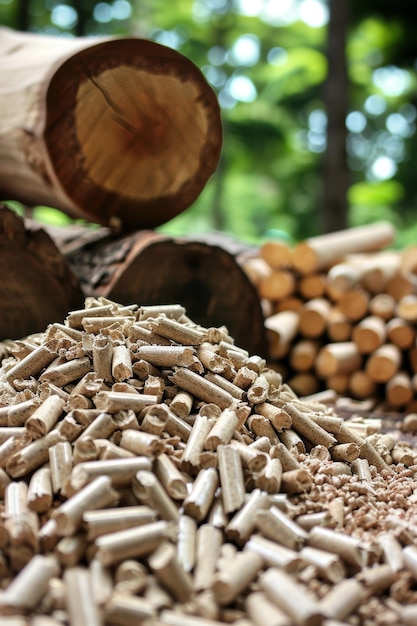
[98, 493]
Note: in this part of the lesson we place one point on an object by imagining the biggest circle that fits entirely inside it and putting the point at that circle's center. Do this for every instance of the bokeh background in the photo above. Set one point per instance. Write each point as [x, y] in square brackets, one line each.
[318, 103]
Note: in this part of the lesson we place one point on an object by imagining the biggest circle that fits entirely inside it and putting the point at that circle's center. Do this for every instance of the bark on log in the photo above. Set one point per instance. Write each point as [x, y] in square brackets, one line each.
[148, 268]
[43, 276]
[123, 132]
[36, 284]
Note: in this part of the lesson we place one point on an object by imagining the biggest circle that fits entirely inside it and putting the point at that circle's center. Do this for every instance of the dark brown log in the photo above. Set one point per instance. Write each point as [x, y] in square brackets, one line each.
[36, 284]
[148, 268]
[123, 132]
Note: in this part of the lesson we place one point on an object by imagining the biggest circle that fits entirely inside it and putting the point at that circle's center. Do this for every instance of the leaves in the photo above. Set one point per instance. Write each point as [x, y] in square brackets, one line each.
[273, 144]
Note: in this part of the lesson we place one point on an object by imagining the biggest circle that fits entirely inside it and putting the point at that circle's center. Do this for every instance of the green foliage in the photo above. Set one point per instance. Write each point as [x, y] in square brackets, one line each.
[50, 216]
[304, 68]
[375, 194]
[268, 73]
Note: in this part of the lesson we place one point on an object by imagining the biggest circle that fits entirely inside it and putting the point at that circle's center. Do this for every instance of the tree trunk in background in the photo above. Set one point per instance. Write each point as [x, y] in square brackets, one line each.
[22, 15]
[84, 15]
[336, 173]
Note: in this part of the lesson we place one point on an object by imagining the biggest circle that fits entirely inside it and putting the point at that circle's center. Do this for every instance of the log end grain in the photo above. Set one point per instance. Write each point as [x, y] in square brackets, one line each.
[206, 278]
[137, 156]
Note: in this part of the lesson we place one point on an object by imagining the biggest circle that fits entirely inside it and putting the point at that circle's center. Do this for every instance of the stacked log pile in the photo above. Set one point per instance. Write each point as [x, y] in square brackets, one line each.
[341, 313]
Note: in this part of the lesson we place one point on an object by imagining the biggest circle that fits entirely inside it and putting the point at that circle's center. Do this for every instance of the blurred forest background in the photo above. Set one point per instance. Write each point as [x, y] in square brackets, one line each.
[318, 100]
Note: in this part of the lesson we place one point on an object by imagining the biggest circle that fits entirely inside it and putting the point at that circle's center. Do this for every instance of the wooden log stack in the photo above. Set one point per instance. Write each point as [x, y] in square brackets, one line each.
[341, 313]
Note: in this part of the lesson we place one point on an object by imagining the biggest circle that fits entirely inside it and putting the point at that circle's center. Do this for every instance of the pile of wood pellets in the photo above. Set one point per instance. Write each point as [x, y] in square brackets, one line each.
[153, 472]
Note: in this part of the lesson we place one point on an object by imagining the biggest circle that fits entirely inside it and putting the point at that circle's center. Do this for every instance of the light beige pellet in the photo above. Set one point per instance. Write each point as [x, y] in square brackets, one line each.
[329, 565]
[231, 478]
[342, 599]
[34, 362]
[243, 523]
[17, 414]
[44, 418]
[235, 576]
[349, 548]
[186, 543]
[170, 477]
[150, 492]
[30, 585]
[65, 373]
[262, 611]
[131, 543]
[113, 401]
[120, 471]
[98, 493]
[208, 543]
[39, 495]
[166, 567]
[82, 611]
[32, 456]
[60, 461]
[141, 443]
[200, 387]
[125, 609]
[104, 521]
[274, 524]
[291, 597]
[223, 429]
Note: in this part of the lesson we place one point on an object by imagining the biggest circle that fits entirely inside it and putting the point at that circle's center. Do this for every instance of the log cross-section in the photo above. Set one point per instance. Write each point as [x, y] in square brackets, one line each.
[123, 132]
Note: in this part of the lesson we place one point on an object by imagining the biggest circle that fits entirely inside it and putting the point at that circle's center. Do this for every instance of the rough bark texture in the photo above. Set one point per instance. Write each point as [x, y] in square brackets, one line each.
[148, 268]
[36, 284]
[41, 280]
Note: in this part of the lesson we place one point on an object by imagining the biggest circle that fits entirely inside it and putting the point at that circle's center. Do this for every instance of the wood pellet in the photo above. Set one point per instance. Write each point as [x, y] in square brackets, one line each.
[152, 472]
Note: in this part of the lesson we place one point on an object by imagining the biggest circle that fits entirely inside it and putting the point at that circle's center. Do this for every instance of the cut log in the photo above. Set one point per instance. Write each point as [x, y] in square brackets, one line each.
[382, 305]
[276, 254]
[401, 333]
[282, 329]
[399, 391]
[361, 386]
[338, 358]
[123, 132]
[277, 285]
[313, 317]
[321, 252]
[36, 284]
[303, 355]
[312, 286]
[384, 363]
[339, 327]
[369, 334]
[148, 268]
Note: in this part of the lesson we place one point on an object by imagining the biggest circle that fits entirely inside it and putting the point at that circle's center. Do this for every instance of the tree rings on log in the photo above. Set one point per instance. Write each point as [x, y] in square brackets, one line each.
[123, 132]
